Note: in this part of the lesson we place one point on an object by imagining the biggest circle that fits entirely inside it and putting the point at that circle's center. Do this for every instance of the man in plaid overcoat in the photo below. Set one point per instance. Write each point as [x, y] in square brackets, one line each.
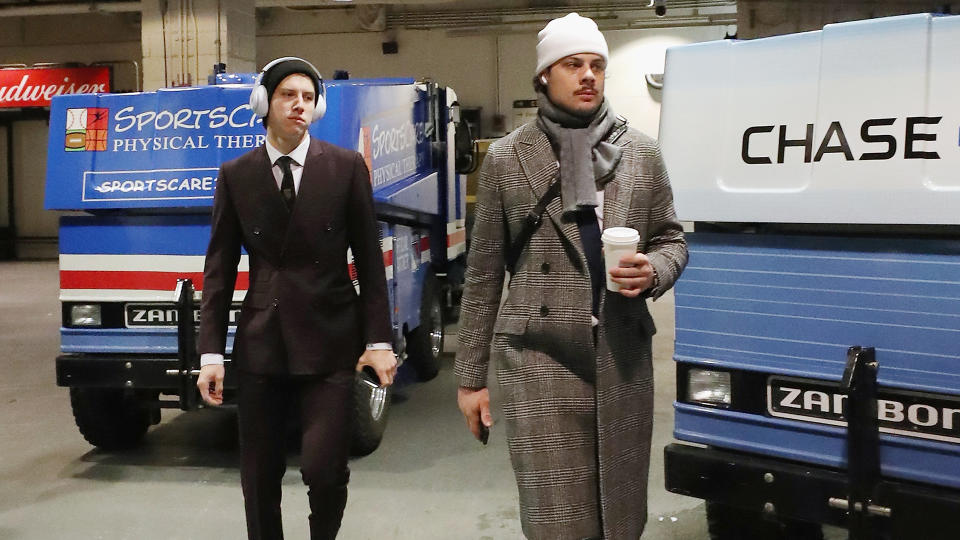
[573, 359]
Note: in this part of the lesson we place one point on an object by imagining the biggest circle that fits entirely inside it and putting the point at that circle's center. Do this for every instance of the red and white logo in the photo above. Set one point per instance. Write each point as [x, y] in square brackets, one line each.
[35, 87]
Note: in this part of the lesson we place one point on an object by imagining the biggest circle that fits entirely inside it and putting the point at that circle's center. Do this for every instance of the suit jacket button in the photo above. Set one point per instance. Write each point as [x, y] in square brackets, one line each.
[545, 268]
[276, 303]
[316, 261]
[256, 231]
[329, 227]
[544, 311]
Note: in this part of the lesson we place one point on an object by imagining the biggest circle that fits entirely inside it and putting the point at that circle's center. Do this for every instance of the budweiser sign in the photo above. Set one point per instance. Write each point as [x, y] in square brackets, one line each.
[35, 87]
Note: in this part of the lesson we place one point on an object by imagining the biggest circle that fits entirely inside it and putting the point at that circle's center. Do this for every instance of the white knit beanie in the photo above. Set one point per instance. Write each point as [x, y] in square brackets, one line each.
[571, 34]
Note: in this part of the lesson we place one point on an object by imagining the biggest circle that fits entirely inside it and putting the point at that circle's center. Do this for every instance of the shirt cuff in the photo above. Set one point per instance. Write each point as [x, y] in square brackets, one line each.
[211, 359]
[383, 346]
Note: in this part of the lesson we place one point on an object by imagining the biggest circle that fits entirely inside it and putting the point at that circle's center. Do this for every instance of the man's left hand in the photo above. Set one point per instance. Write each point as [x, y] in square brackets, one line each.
[634, 275]
[382, 361]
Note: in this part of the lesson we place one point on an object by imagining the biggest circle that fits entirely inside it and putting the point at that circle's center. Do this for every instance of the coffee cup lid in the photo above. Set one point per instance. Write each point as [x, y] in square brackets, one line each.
[620, 235]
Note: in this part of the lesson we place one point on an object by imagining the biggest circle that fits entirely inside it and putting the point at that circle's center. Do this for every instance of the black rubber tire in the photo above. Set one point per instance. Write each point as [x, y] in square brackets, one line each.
[726, 522]
[110, 419]
[371, 408]
[425, 342]
[456, 275]
[451, 313]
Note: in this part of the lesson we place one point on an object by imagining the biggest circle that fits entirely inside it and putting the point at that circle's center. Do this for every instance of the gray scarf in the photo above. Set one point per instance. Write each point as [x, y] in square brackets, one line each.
[587, 162]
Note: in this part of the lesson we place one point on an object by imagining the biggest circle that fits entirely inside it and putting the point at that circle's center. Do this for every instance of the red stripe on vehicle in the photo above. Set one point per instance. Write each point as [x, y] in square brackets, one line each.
[152, 281]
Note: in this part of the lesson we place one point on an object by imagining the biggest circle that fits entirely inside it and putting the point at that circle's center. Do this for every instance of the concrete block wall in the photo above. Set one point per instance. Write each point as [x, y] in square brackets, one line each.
[489, 70]
[183, 41]
[80, 38]
[239, 36]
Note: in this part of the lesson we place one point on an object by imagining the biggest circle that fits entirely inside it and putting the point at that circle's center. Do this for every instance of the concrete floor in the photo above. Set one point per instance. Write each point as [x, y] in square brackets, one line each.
[428, 480]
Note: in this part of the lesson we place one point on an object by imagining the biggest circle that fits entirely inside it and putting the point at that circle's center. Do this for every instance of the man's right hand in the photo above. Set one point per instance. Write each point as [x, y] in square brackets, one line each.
[475, 405]
[210, 383]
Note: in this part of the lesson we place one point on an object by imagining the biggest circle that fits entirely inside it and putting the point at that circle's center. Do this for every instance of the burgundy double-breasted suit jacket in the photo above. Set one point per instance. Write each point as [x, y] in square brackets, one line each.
[301, 314]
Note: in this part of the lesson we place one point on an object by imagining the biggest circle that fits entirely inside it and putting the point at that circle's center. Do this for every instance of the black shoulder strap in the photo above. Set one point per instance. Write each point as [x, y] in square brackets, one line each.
[530, 224]
[534, 217]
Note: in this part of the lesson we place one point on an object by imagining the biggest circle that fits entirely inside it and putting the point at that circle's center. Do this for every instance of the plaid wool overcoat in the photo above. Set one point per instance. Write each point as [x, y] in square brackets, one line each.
[578, 413]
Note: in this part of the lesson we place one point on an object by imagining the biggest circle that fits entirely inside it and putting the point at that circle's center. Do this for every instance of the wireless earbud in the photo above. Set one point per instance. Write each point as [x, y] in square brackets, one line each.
[543, 79]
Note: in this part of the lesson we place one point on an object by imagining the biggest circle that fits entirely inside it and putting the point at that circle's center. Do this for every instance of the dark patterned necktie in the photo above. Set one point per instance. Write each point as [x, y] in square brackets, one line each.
[286, 187]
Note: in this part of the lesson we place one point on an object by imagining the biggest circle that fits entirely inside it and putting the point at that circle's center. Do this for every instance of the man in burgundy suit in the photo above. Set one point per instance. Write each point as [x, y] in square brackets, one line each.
[296, 204]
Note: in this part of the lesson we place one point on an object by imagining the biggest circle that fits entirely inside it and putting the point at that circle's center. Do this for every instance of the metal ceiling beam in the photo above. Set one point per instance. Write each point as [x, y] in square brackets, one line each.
[67, 8]
[396, 17]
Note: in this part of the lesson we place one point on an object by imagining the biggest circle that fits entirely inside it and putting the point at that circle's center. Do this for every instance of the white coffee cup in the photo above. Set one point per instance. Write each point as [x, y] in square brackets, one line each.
[617, 242]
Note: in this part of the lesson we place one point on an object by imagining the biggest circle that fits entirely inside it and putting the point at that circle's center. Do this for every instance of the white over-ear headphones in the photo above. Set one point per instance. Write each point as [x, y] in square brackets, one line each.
[260, 101]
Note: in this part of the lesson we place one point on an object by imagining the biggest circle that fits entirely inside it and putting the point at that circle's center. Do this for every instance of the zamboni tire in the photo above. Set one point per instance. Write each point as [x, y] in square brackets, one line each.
[425, 342]
[108, 418]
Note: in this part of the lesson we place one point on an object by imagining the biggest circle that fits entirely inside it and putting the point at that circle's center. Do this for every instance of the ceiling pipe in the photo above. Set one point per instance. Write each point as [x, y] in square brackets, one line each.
[511, 17]
[30, 10]
[26, 9]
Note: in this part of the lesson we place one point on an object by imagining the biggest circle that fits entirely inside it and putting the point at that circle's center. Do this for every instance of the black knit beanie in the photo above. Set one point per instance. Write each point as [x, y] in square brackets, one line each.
[279, 72]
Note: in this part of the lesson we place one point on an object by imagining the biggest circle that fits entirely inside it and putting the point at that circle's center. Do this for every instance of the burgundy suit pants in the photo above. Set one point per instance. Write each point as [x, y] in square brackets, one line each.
[266, 403]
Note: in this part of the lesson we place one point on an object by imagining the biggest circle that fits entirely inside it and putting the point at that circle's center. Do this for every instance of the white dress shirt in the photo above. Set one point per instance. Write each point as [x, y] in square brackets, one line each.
[298, 155]
[599, 209]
